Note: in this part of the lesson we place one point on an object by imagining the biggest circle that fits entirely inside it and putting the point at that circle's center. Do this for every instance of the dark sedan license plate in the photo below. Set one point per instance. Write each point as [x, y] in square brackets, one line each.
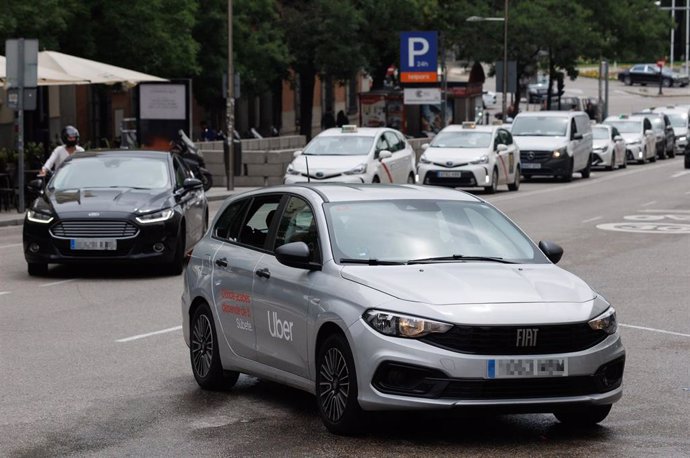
[93, 244]
[526, 368]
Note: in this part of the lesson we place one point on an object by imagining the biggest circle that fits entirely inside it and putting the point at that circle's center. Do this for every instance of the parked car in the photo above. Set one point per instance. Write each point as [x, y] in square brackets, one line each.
[354, 155]
[679, 117]
[567, 103]
[665, 137]
[554, 143]
[649, 74]
[489, 98]
[640, 140]
[113, 206]
[469, 155]
[396, 297]
[609, 147]
[536, 91]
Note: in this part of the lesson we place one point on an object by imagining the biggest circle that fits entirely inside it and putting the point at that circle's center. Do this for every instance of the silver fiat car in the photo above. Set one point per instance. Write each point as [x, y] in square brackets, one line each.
[385, 297]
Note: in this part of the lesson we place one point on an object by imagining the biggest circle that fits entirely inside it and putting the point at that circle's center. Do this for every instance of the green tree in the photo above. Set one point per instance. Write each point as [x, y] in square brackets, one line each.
[45, 20]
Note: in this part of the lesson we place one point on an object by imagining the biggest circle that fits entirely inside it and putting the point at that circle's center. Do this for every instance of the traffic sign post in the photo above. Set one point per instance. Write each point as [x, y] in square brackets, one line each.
[418, 57]
[660, 64]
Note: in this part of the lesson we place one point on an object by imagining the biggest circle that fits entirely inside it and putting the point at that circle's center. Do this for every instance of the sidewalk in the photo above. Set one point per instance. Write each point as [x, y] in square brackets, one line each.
[13, 218]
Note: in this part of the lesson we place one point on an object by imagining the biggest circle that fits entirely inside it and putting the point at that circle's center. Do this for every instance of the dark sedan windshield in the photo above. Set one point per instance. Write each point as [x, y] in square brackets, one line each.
[375, 232]
[112, 171]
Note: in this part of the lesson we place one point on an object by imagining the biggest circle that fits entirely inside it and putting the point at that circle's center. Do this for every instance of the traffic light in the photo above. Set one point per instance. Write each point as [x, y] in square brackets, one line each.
[559, 83]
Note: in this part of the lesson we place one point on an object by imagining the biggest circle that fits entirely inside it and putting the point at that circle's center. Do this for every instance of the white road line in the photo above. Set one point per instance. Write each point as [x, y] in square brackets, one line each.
[2, 293]
[655, 330]
[57, 282]
[592, 219]
[649, 203]
[142, 336]
[666, 211]
[680, 174]
[11, 246]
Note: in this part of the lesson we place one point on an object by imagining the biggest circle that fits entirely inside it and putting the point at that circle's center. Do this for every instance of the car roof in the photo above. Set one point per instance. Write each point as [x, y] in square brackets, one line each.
[123, 153]
[476, 128]
[361, 131]
[671, 109]
[348, 192]
[550, 114]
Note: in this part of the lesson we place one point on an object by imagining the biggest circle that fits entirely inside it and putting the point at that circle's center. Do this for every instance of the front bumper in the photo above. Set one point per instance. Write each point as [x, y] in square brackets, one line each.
[634, 152]
[680, 145]
[396, 373]
[467, 176]
[602, 158]
[543, 163]
[339, 178]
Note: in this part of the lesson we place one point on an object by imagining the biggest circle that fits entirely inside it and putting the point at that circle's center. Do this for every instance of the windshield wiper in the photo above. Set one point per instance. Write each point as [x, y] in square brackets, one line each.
[372, 262]
[458, 257]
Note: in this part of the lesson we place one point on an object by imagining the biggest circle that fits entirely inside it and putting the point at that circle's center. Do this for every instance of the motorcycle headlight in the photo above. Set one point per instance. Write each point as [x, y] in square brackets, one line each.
[360, 169]
[157, 217]
[38, 217]
[292, 171]
[481, 160]
[393, 324]
[605, 322]
[423, 159]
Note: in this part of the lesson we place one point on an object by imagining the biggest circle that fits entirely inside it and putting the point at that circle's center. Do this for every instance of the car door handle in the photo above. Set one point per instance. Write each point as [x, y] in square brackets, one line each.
[263, 273]
[222, 262]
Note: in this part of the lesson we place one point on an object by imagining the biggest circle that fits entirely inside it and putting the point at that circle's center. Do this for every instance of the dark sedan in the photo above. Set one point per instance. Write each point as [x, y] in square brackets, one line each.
[649, 74]
[107, 206]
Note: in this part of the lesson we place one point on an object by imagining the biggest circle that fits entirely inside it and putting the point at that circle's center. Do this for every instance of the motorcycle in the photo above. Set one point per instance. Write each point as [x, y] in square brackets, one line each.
[185, 148]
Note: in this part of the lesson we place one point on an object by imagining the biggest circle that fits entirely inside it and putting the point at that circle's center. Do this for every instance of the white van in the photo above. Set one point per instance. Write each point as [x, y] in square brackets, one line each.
[554, 143]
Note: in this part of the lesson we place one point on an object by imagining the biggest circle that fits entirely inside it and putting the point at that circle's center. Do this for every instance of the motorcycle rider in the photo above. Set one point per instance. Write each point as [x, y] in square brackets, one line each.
[70, 140]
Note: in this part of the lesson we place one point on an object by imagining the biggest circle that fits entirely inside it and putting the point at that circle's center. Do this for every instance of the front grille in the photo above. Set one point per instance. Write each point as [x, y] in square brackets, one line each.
[535, 156]
[465, 178]
[94, 229]
[502, 340]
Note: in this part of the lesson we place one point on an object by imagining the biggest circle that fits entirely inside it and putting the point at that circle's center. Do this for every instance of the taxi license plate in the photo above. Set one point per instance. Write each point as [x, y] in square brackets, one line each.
[526, 368]
[528, 165]
[93, 244]
[450, 174]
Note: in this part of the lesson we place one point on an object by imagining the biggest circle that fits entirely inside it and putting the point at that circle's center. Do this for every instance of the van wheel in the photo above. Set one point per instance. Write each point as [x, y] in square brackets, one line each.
[587, 170]
[515, 185]
[568, 176]
[624, 165]
[494, 183]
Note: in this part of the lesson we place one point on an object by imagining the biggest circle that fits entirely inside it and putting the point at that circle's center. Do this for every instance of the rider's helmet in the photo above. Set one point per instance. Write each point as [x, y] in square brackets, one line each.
[69, 135]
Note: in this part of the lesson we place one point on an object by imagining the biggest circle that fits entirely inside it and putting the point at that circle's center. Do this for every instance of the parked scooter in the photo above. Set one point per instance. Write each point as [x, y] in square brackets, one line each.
[184, 147]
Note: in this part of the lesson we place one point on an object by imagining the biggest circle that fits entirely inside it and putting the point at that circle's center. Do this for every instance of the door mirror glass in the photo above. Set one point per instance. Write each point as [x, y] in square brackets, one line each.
[552, 250]
[295, 254]
[297, 153]
[385, 154]
[192, 183]
[501, 148]
[577, 136]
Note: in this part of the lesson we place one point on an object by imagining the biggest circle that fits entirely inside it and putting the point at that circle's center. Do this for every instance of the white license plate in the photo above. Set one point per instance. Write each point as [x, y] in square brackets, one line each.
[93, 244]
[450, 174]
[528, 165]
[526, 368]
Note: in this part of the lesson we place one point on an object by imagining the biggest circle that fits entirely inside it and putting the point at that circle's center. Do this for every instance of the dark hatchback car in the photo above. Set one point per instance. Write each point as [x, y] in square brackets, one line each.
[649, 74]
[111, 206]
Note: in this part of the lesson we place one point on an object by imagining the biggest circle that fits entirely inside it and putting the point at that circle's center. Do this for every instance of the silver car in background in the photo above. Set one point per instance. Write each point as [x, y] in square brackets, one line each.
[609, 147]
[389, 297]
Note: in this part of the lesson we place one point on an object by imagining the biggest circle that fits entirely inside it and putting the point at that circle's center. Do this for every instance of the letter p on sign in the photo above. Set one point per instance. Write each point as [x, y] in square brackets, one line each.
[418, 46]
[418, 57]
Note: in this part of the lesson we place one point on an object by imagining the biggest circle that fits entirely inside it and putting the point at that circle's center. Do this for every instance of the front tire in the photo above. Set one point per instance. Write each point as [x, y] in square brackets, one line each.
[627, 81]
[376, 179]
[582, 415]
[37, 269]
[336, 386]
[491, 189]
[204, 353]
[568, 176]
[586, 172]
[411, 179]
[515, 185]
[613, 162]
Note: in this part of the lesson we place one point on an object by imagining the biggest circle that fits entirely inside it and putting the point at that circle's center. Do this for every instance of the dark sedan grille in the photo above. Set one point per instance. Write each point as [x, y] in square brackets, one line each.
[94, 229]
[503, 340]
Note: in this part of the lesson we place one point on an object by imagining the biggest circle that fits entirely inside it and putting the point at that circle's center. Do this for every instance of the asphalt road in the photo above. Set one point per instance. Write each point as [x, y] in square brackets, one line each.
[92, 360]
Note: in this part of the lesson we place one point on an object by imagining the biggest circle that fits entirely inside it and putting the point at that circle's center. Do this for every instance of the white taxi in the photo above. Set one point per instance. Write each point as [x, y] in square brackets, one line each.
[471, 155]
[354, 154]
[637, 131]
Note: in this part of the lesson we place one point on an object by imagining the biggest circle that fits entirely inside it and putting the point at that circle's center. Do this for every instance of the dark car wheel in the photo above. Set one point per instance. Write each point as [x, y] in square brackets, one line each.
[627, 81]
[410, 178]
[37, 269]
[586, 172]
[568, 176]
[667, 82]
[336, 387]
[583, 415]
[494, 183]
[203, 352]
[613, 162]
[515, 185]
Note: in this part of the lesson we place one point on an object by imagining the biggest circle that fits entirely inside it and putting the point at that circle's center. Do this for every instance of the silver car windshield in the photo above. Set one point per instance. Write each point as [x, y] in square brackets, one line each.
[678, 120]
[339, 145]
[467, 139]
[402, 231]
[600, 133]
[540, 126]
[112, 172]
[626, 127]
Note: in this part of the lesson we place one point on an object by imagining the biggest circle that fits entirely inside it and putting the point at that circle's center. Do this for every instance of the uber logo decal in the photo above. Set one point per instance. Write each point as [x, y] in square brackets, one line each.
[526, 338]
[281, 329]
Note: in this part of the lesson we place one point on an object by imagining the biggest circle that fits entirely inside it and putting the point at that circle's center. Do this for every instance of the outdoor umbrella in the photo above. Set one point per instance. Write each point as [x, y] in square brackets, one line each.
[46, 76]
[91, 70]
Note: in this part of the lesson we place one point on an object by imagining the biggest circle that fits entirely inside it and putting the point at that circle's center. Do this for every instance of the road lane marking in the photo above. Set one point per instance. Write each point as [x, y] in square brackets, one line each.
[142, 336]
[57, 282]
[655, 330]
[11, 246]
[592, 219]
[2, 293]
[649, 203]
[680, 174]
[666, 211]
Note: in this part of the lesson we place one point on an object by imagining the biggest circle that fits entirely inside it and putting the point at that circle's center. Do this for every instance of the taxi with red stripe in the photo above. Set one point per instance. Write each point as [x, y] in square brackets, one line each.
[470, 156]
[354, 154]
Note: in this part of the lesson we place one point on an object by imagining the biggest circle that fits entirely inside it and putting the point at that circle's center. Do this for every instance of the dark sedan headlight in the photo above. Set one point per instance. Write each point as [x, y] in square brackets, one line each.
[38, 217]
[605, 322]
[397, 325]
[157, 217]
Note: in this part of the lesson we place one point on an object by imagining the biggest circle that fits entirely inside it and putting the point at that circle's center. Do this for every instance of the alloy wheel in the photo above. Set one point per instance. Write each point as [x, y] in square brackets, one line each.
[334, 387]
[202, 346]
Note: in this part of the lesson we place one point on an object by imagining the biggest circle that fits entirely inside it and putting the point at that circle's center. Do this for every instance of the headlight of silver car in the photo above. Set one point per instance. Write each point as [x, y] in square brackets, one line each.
[291, 170]
[424, 160]
[360, 169]
[38, 217]
[393, 324]
[156, 217]
[605, 322]
[482, 160]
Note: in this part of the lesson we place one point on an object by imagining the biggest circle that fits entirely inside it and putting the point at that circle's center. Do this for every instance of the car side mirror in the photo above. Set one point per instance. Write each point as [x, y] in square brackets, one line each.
[384, 154]
[296, 254]
[36, 185]
[297, 153]
[500, 148]
[618, 138]
[425, 146]
[552, 250]
[577, 136]
[192, 183]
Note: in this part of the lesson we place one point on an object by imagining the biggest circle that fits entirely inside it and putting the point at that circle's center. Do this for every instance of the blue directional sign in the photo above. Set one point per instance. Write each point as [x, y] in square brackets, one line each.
[418, 57]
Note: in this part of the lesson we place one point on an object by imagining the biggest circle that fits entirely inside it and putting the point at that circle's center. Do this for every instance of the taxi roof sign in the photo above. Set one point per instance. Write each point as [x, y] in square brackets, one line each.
[348, 128]
[469, 125]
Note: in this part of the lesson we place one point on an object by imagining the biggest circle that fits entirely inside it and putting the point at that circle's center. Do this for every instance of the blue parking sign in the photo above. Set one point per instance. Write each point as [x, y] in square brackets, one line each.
[418, 56]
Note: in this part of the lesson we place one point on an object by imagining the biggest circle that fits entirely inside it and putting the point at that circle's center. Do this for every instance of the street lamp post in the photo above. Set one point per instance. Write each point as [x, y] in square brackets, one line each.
[503, 19]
